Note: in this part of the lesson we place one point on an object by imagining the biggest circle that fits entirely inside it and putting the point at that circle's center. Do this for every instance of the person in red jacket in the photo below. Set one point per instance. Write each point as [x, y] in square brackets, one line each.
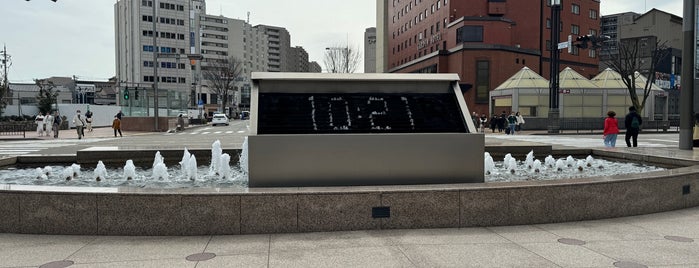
[611, 129]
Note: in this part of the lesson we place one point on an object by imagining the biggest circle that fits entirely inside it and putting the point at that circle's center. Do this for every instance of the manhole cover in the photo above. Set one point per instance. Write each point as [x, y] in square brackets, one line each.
[201, 256]
[629, 264]
[57, 264]
[571, 241]
[679, 238]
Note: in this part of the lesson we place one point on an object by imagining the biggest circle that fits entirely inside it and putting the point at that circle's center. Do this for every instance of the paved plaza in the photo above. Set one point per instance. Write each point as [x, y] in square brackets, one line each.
[666, 239]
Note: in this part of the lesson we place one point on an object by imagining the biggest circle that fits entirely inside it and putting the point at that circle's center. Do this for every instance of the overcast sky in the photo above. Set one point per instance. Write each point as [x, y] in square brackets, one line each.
[76, 37]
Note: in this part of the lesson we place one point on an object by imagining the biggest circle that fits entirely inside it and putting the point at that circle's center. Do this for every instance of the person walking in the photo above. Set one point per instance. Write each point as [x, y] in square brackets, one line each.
[79, 123]
[611, 130]
[39, 120]
[48, 123]
[483, 120]
[88, 120]
[512, 123]
[520, 122]
[501, 121]
[632, 122]
[116, 125]
[493, 122]
[56, 124]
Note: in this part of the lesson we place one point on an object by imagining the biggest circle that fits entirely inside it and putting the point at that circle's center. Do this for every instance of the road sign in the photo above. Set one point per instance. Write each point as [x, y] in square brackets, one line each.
[563, 45]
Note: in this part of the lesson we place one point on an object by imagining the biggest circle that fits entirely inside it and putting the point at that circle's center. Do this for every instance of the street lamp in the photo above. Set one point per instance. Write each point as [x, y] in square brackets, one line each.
[554, 114]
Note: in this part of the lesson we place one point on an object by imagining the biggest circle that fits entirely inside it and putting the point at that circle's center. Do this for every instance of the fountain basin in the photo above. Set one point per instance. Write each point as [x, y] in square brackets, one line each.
[202, 211]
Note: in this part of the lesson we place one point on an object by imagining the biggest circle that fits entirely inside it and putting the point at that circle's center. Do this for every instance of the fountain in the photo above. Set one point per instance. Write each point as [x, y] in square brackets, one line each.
[207, 204]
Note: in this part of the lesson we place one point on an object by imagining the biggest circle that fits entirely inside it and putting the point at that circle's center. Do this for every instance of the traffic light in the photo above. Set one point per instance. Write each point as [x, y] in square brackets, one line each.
[136, 94]
[582, 41]
[126, 93]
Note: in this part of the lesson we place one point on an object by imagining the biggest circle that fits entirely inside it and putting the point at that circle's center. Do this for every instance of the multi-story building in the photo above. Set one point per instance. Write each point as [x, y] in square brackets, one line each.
[655, 27]
[485, 42]
[370, 50]
[300, 62]
[314, 67]
[171, 25]
[610, 25]
[278, 48]
[183, 29]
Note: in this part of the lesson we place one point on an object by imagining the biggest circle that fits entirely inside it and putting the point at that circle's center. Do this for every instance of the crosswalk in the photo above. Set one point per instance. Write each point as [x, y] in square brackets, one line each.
[22, 147]
[589, 141]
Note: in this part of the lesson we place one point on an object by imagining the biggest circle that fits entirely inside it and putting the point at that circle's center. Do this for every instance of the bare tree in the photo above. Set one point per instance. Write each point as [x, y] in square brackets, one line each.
[221, 76]
[637, 56]
[342, 59]
[47, 95]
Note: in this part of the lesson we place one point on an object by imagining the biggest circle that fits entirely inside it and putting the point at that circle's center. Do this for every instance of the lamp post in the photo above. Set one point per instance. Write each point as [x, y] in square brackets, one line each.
[554, 114]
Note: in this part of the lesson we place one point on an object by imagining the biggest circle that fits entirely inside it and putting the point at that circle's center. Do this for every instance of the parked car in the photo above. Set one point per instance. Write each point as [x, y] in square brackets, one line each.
[219, 119]
[244, 115]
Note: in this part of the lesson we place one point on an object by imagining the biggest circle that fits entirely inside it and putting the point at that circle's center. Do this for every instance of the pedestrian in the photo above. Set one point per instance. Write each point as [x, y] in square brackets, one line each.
[79, 123]
[633, 123]
[119, 115]
[501, 121]
[476, 123]
[88, 120]
[56, 124]
[493, 122]
[512, 122]
[39, 120]
[48, 122]
[611, 130]
[520, 121]
[483, 120]
[116, 125]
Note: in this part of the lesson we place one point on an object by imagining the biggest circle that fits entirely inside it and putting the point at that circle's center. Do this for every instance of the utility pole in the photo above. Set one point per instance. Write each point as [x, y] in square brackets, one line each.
[5, 86]
[688, 75]
[155, 65]
[554, 115]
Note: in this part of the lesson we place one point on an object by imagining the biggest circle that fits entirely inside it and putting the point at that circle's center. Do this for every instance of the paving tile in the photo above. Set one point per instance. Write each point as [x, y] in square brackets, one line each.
[601, 230]
[524, 234]
[650, 252]
[442, 236]
[327, 240]
[474, 255]
[37, 250]
[170, 263]
[568, 255]
[133, 248]
[244, 260]
[238, 244]
[390, 256]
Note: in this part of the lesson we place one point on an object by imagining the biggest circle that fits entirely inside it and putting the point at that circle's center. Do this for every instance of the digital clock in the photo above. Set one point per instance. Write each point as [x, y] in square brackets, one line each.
[321, 113]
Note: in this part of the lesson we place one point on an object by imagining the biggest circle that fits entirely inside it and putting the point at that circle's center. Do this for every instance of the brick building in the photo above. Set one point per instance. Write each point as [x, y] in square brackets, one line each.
[484, 41]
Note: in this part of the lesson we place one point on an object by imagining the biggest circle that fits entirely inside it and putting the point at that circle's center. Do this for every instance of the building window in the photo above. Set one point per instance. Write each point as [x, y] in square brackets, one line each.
[148, 48]
[593, 14]
[548, 45]
[439, 4]
[147, 18]
[548, 23]
[469, 34]
[146, 3]
[482, 81]
[575, 51]
[575, 29]
[575, 9]
[592, 53]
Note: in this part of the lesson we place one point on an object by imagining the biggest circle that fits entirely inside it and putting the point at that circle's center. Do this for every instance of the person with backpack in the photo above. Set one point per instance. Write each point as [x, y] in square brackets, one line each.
[632, 122]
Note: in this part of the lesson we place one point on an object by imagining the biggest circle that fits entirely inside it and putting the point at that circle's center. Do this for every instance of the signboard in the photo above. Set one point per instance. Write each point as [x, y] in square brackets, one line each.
[325, 113]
